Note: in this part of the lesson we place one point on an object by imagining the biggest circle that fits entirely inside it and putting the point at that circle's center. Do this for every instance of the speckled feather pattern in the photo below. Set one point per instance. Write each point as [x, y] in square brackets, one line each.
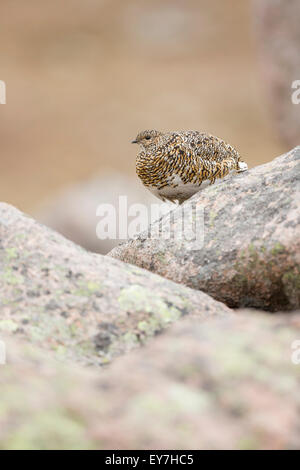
[170, 163]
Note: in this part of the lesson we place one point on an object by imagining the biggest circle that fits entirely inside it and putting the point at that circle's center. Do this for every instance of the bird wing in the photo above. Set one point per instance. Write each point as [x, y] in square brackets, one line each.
[209, 147]
[208, 157]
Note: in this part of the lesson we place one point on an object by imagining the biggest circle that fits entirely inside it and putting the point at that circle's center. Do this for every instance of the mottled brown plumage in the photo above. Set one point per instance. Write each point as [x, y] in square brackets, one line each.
[176, 165]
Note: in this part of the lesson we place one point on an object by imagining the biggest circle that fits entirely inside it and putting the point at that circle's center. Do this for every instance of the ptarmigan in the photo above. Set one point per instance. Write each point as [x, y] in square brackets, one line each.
[176, 165]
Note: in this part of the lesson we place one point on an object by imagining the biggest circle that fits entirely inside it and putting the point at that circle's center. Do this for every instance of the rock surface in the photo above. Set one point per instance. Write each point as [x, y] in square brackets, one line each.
[224, 384]
[251, 251]
[278, 32]
[86, 307]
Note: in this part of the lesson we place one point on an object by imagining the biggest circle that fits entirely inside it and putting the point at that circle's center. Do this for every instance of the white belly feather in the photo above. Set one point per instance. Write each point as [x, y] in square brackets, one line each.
[179, 190]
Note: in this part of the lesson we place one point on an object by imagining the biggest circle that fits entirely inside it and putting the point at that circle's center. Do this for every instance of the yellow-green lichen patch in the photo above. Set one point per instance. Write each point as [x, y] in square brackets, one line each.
[138, 298]
[292, 278]
[11, 277]
[11, 253]
[249, 442]
[130, 339]
[277, 248]
[86, 289]
[51, 429]
[161, 256]
[8, 326]
[180, 399]
[212, 216]
[156, 312]
[291, 282]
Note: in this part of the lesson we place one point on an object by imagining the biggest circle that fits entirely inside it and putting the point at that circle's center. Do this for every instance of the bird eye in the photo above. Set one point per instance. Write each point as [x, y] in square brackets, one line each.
[147, 137]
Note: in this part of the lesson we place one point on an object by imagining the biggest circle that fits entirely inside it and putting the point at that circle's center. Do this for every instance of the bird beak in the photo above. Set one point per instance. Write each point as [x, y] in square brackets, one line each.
[134, 142]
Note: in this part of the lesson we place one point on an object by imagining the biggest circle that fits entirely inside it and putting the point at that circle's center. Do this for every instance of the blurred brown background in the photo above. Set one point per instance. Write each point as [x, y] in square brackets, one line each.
[83, 77]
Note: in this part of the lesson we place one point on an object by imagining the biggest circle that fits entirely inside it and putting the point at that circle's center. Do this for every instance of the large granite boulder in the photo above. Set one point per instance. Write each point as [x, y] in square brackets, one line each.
[248, 251]
[230, 383]
[85, 306]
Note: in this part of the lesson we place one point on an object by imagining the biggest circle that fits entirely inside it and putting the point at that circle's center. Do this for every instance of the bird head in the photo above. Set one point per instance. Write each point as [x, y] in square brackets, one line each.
[147, 138]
